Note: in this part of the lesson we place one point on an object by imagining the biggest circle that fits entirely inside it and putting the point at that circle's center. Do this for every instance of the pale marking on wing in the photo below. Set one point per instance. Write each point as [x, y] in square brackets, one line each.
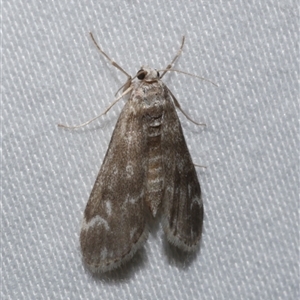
[108, 207]
[95, 221]
[154, 134]
[196, 200]
[129, 138]
[129, 170]
[152, 190]
[155, 185]
[115, 170]
[133, 108]
[131, 200]
[154, 158]
[123, 129]
[103, 254]
[156, 180]
[170, 189]
[132, 232]
[155, 170]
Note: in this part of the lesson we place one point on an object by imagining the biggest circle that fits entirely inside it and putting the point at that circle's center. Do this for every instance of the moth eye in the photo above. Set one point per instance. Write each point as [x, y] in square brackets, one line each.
[158, 74]
[141, 74]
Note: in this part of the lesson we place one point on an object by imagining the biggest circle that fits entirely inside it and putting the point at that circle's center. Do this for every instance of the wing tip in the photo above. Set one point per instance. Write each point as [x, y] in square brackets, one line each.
[184, 243]
[102, 266]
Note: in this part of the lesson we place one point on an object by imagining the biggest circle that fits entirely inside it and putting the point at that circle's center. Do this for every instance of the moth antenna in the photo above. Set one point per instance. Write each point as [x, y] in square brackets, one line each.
[169, 66]
[110, 60]
[179, 107]
[189, 74]
[88, 122]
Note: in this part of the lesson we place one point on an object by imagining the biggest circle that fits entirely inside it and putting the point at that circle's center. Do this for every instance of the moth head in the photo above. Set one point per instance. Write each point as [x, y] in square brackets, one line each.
[146, 73]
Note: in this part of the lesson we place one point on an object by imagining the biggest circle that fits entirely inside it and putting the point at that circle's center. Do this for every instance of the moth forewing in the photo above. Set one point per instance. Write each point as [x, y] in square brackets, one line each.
[182, 203]
[114, 224]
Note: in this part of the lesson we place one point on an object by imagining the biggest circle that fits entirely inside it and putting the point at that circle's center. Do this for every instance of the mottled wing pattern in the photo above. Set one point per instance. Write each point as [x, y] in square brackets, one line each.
[182, 204]
[114, 223]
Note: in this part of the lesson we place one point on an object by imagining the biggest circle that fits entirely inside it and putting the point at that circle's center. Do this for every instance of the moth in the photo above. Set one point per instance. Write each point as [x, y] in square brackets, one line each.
[147, 167]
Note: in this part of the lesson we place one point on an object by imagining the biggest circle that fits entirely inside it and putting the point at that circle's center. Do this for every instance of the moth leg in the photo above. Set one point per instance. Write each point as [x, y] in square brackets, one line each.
[169, 66]
[88, 122]
[199, 166]
[179, 107]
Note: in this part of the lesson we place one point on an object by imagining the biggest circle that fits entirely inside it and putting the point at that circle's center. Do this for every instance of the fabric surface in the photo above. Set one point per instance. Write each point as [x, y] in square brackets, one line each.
[52, 73]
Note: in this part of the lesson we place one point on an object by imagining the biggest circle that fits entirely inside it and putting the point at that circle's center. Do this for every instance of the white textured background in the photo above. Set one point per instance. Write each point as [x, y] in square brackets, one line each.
[53, 73]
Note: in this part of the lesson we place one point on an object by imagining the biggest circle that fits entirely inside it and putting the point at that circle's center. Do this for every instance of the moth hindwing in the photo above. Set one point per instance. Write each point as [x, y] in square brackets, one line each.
[147, 166]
